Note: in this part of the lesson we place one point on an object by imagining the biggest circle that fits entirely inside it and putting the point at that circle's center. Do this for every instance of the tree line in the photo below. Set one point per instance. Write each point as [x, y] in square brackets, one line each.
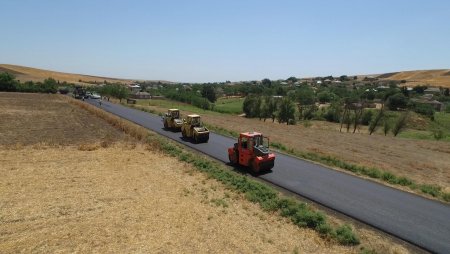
[8, 83]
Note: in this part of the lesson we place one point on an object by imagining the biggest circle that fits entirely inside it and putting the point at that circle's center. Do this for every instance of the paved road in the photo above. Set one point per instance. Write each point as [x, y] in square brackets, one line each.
[423, 222]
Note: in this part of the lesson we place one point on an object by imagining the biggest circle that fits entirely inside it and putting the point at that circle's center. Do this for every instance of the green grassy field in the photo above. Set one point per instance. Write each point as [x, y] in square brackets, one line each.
[441, 123]
[229, 106]
[165, 103]
[443, 119]
[223, 105]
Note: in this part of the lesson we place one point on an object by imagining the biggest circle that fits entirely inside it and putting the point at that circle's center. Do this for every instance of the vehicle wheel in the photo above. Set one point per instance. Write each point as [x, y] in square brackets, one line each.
[196, 139]
[254, 166]
[231, 160]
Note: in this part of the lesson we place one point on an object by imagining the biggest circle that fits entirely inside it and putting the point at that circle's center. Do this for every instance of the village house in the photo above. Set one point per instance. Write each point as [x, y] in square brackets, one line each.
[140, 95]
[432, 90]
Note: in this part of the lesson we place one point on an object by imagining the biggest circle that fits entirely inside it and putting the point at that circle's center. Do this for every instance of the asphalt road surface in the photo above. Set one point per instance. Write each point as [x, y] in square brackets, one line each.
[418, 220]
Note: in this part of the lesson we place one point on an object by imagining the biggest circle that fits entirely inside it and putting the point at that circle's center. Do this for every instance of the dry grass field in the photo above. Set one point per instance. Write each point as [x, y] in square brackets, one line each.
[432, 77]
[71, 193]
[127, 198]
[23, 74]
[35, 118]
[424, 161]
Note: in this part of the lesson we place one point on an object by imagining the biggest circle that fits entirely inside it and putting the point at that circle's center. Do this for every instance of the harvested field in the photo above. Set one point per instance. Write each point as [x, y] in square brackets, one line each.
[35, 118]
[421, 77]
[24, 73]
[424, 161]
[129, 199]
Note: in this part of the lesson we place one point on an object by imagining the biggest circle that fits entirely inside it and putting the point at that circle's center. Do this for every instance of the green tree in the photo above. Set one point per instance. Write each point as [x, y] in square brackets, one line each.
[400, 123]
[344, 78]
[252, 106]
[49, 86]
[209, 93]
[326, 96]
[266, 82]
[396, 101]
[280, 91]
[333, 113]
[286, 111]
[376, 121]
[420, 89]
[115, 90]
[292, 79]
[268, 108]
[121, 92]
[7, 82]
[305, 95]
[447, 92]
[273, 107]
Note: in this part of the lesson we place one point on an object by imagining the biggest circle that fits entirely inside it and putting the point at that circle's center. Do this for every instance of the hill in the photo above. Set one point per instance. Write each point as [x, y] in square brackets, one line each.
[24, 73]
[421, 77]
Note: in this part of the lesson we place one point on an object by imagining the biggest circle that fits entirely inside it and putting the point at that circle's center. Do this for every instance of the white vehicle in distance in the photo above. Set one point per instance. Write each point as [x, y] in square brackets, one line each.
[95, 96]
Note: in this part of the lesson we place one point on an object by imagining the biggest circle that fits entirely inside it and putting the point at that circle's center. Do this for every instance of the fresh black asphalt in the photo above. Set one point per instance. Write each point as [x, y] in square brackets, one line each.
[423, 222]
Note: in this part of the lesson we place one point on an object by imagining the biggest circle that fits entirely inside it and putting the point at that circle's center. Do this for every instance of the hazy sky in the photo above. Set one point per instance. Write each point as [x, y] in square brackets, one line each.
[202, 41]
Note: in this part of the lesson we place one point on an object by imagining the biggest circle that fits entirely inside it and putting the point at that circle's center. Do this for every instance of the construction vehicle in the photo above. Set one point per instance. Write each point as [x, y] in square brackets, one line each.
[79, 92]
[172, 119]
[193, 128]
[252, 150]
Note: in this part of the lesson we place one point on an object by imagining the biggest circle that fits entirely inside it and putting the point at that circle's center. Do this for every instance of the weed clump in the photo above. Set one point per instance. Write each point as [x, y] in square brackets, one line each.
[432, 190]
[345, 235]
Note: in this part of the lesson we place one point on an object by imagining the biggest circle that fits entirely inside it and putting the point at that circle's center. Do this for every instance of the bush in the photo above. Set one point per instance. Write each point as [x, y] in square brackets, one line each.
[374, 173]
[325, 229]
[332, 115]
[345, 235]
[423, 109]
[388, 177]
[366, 117]
[446, 196]
[404, 181]
[278, 146]
[438, 131]
[432, 190]
[307, 124]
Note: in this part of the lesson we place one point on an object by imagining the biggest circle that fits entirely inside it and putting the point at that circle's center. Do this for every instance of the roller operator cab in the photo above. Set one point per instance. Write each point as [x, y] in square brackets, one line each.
[172, 119]
[193, 128]
[252, 150]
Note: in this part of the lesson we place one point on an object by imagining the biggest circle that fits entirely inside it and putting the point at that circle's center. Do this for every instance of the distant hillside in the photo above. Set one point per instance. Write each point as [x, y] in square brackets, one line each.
[425, 77]
[23, 74]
